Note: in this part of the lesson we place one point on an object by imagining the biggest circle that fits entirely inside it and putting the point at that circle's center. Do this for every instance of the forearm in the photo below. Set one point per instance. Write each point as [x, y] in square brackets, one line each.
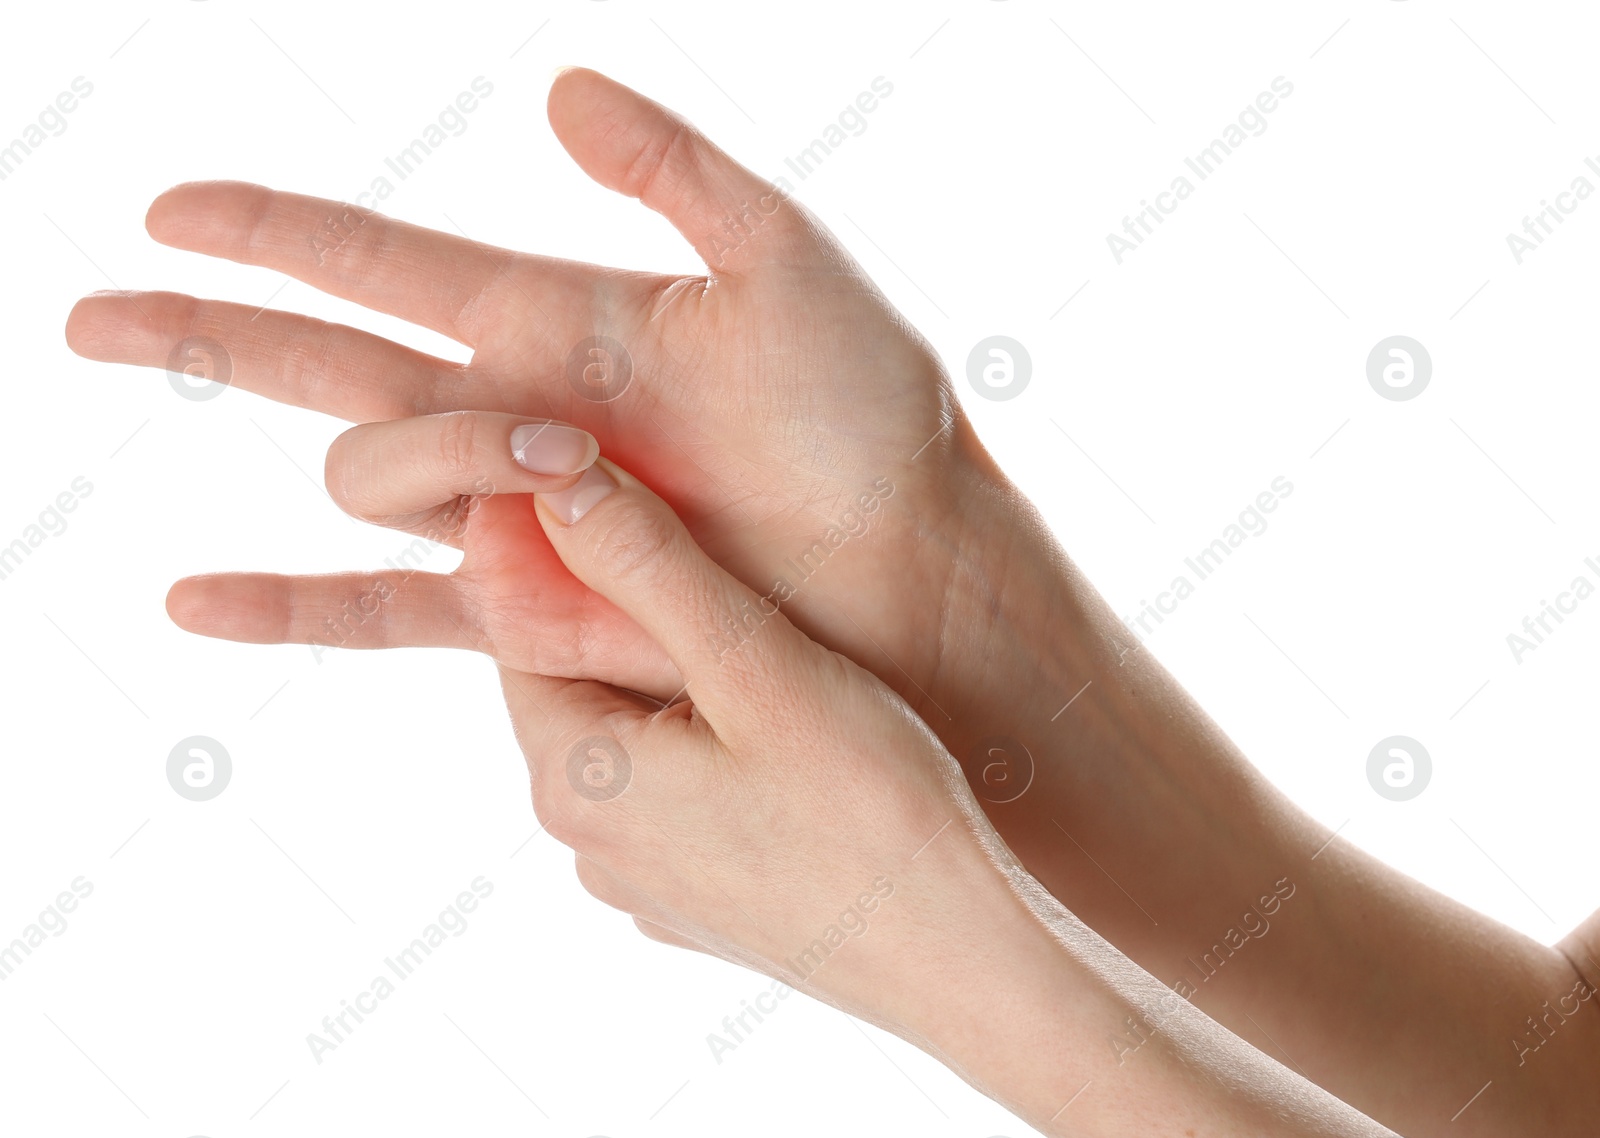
[1046, 1017]
[1146, 822]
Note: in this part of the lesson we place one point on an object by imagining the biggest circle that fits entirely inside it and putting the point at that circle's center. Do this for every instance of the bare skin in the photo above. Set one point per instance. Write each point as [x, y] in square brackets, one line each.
[768, 396]
[793, 793]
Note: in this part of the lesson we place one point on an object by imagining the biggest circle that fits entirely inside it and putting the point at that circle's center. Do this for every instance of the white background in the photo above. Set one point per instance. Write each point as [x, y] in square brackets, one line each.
[1230, 349]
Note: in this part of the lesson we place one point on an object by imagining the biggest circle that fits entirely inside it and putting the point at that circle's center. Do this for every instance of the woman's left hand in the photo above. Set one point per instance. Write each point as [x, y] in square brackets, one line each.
[790, 813]
[793, 814]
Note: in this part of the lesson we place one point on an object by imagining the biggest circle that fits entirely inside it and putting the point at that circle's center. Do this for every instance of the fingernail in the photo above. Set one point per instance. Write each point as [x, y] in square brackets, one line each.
[578, 499]
[550, 448]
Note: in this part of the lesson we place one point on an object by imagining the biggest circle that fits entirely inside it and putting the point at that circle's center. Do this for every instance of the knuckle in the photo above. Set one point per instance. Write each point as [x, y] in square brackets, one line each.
[307, 358]
[661, 164]
[457, 444]
[575, 784]
[365, 255]
[623, 727]
[637, 543]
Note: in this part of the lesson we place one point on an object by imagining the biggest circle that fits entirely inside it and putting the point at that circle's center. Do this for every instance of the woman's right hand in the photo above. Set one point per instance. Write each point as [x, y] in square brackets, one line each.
[802, 428]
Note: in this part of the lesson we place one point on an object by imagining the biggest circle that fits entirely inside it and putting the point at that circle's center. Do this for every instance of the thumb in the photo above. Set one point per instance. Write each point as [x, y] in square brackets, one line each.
[626, 544]
[735, 220]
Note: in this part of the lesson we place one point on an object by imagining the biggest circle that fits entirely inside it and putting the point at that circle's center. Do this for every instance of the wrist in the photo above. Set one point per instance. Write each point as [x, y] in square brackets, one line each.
[1133, 808]
[1022, 629]
[1091, 761]
[1031, 659]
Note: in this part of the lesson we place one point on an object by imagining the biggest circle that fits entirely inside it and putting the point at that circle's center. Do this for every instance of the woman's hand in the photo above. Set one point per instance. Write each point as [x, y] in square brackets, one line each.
[767, 399]
[793, 815]
[773, 401]
[788, 796]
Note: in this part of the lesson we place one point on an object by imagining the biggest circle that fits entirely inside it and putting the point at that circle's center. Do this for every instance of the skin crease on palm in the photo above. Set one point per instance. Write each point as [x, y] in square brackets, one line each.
[767, 396]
